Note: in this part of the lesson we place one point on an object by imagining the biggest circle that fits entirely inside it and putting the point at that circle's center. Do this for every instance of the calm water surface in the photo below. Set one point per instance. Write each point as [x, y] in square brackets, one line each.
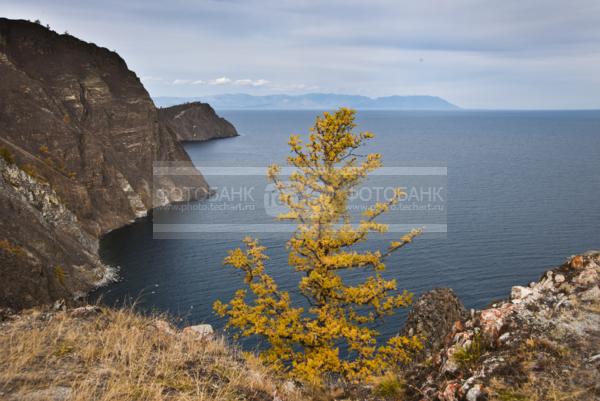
[523, 193]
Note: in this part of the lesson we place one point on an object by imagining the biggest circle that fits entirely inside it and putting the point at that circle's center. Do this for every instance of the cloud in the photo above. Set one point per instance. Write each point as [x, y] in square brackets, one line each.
[249, 82]
[220, 81]
[217, 81]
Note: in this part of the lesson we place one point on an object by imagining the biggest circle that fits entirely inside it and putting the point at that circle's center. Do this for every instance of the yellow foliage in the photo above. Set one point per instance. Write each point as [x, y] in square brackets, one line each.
[59, 273]
[307, 342]
[6, 154]
[31, 171]
[11, 248]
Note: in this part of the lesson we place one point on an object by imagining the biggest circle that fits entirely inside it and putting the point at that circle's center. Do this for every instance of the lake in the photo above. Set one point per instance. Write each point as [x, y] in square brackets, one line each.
[521, 193]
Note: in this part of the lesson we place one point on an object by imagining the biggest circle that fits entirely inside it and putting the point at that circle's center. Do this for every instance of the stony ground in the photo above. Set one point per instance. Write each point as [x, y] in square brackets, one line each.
[543, 343]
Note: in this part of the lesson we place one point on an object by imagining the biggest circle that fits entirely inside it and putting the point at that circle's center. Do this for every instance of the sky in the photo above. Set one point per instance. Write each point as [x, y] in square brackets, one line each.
[483, 54]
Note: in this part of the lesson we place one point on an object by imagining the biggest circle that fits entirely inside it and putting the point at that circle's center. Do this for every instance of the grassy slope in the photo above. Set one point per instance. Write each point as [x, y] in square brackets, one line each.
[108, 354]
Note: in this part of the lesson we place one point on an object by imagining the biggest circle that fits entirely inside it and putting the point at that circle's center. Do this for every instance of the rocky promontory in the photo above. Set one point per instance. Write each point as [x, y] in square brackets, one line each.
[195, 121]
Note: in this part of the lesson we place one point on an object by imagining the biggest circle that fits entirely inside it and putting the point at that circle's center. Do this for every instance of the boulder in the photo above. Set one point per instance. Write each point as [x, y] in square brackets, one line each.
[518, 293]
[85, 311]
[593, 294]
[432, 318]
[492, 320]
[576, 262]
[200, 331]
[476, 393]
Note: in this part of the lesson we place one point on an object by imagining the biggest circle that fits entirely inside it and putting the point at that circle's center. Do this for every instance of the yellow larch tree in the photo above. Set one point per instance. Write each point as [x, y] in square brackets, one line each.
[334, 336]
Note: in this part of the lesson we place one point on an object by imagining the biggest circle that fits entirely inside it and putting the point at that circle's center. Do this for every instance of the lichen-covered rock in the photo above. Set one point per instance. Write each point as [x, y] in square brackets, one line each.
[538, 344]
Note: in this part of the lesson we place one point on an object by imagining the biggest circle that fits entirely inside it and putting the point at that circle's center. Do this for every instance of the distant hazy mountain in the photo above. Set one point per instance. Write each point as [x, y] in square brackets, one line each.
[313, 101]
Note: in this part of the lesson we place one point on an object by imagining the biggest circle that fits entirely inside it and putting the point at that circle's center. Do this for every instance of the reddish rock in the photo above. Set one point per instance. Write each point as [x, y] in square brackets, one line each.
[452, 392]
[576, 262]
[493, 319]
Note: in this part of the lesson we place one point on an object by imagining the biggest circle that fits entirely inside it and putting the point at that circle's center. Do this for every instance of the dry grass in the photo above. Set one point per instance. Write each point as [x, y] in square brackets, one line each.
[550, 371]
[119, 355]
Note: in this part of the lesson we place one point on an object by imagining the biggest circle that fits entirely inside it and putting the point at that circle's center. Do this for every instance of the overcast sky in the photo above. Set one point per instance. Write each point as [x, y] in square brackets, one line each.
[476, 54]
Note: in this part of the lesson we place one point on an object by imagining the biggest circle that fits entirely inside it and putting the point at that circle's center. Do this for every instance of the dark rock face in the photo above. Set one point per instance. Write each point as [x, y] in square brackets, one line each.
[45, 254]
[84, 134]
[84, 121]
[433, 316]
[195, 122]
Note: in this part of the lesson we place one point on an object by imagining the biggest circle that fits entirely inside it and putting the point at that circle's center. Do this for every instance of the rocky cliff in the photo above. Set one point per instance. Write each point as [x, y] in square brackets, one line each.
[195, 122]
[81, 126]
[84, 121]
[45, 254]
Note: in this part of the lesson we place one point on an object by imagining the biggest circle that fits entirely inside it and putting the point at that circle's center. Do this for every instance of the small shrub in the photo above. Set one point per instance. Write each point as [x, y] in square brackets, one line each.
[10, 248]
[44, 149]
[31, 171]
[542, 345]
[64, 348]
[389, 387]
[7, 155]
[509, 395]
[59, 274]
[466, 357]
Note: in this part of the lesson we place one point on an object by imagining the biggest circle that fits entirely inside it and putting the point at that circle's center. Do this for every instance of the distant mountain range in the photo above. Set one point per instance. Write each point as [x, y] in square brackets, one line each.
[312, 101]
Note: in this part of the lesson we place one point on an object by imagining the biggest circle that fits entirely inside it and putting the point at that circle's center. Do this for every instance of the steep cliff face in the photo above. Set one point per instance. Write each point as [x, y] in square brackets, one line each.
[79, 136]
[44, 252]
[84, 122]
[195, 122]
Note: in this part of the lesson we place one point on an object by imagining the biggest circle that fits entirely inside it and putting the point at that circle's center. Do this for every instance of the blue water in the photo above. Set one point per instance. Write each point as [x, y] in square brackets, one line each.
[523, 193]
